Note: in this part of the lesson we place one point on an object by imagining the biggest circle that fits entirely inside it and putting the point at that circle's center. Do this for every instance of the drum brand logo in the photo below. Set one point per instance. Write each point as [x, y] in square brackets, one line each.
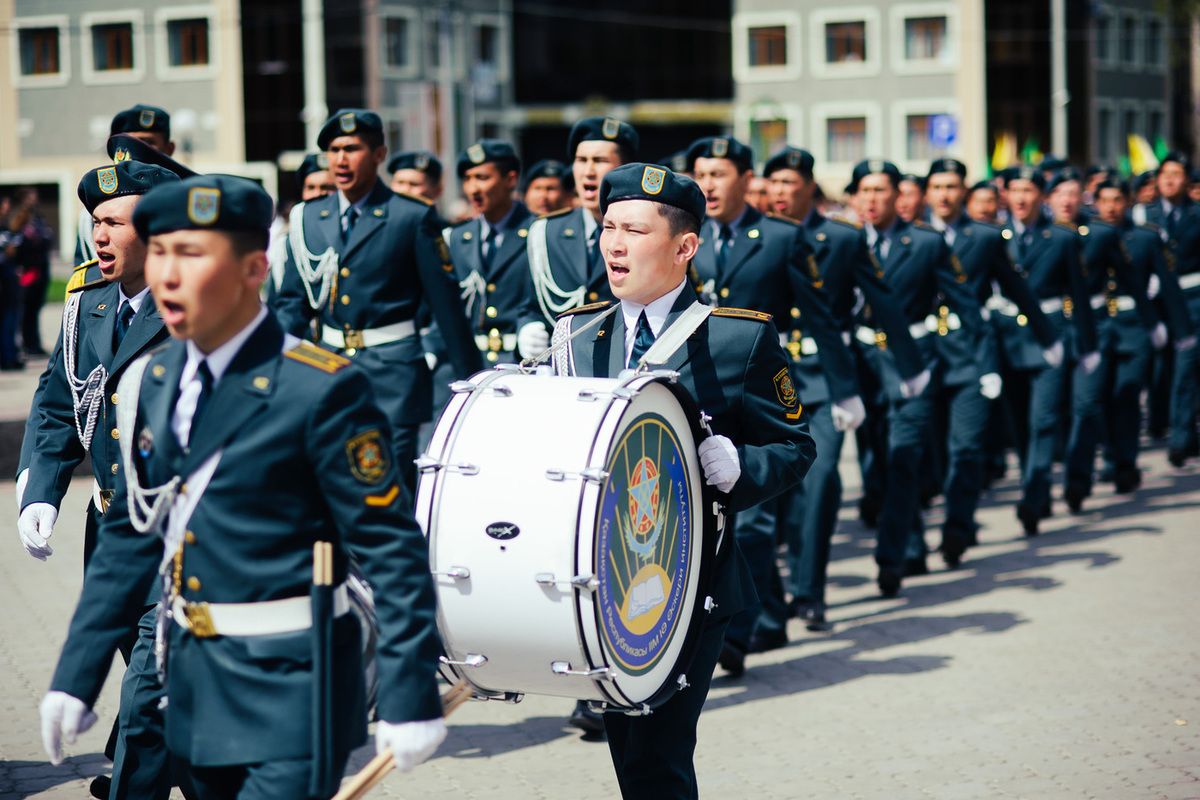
[644, 546]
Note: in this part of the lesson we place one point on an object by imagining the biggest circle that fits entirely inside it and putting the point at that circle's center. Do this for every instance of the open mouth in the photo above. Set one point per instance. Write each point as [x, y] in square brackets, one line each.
[617, 270]
[108, 261]
[171, 312]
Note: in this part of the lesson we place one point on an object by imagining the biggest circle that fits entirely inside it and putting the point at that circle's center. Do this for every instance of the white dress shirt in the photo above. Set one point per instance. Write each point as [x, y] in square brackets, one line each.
[656, 315]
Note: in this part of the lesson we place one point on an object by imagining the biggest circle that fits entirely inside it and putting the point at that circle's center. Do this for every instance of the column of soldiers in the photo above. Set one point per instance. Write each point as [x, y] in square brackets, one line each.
[947, 313]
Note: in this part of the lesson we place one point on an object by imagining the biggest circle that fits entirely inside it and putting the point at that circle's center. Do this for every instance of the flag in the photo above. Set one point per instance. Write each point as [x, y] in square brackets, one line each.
[1141, 155]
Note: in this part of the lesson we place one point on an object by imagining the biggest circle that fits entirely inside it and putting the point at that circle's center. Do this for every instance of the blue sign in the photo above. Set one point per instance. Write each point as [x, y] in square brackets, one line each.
[943, 130]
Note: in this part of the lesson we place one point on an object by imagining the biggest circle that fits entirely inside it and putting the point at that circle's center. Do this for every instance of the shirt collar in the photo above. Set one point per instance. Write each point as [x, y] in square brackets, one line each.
[344, 203]
[589, 224]
[219, 359]
[135, 301]
[657, 311]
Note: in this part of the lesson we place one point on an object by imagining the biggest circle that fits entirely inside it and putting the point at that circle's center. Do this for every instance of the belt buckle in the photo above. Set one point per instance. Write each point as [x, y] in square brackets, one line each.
[199, 620]
[106, 496]
[881, 340]
[354, 339]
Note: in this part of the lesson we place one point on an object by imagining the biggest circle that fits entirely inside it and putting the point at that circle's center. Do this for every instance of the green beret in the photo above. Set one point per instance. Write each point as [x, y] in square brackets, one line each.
[349, 122]
[205, 202]
[546, 168]
[654, 183]
[420, 160]
[721, 147]
[313, 162]
[149, 119]
[123, 147]
[485, 150]
[948, 165]
[121, 179]
[791, 158]
[873, 166]
[603, 129]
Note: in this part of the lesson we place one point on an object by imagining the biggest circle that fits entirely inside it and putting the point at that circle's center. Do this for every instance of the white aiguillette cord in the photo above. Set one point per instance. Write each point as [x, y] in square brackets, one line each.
[87, 394]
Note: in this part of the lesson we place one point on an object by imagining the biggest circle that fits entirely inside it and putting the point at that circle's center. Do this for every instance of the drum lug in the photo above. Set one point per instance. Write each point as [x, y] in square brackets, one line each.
[665, 374]
[467, 386]
[593, 474]
[591, 395]
[513, 698]
[709, 604]
[564, 668]
[586, 582]
[644, 711]
[682, 682]
[472, 660]
[458, 573]
[463, 386]
[427, 464]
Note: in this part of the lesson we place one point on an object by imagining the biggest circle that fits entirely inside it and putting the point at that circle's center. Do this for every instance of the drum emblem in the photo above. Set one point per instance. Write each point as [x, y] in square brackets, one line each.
[643, 498]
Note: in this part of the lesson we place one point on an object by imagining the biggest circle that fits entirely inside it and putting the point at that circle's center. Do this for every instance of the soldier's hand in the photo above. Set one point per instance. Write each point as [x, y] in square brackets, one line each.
[410, 742]
[35, 526]
[1158, 336]
[432, 360]
[848, 414]
[1153, 287]
[22, 479]
[915, 385]
[719, 458]
[1089, 361]
[63, 718]
[990, 385]
[533, 339]
[1053, 354]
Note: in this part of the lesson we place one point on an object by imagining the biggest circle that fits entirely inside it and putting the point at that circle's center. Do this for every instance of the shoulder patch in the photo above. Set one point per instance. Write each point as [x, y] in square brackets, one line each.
[590, 307]
[783, 218]
[845, 221]
[742, 313]
[553, 214]
[314, 356]
[419, 198]
[83, 287]
[920, 223]
[1070, 226]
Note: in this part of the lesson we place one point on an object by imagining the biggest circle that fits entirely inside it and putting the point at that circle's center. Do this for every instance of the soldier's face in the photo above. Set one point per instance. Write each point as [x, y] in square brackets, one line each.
[317, 184]
[909, 201]
[1024, 200]
[945, 194]
[1171, 180]
[204, 290]
[876, 200]
[122, 254]
[791, 194]
[724, 187]
[1066, 200]
[544, 195]
[983, 205]
[354, 165]
[593, 160]
[414, 181]
[489, 190]
[756, 194]
[156, 140]
[644, 261]
[1110, 206]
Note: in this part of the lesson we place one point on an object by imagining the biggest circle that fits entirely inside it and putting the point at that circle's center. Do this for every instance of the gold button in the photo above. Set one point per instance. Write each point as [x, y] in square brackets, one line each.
[183, 489]
[190, 538]
[114, 398]
[491, 287]
[345, 299]
[115, 468]
[492, 356]
[345, 272]
[593, 296]
[351, 351]
[795, 313]
[725, 292]
[491, 311]
[1021, 320]
[194, 583]
[116, 434]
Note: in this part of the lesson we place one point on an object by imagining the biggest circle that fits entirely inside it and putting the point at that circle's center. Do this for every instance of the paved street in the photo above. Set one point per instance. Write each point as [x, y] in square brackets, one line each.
[1067, 666]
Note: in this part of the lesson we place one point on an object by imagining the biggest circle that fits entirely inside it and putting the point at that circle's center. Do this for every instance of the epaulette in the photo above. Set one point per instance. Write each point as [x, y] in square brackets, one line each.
[925, 226]
[1071, 226]
[85, 265]
[313, 356]
[559, 213]
[83, 287]
[742, 313]
[845, 221]
[1150, 226]
[783, 218]
[590, 307]
[419, 198]
[78, 280]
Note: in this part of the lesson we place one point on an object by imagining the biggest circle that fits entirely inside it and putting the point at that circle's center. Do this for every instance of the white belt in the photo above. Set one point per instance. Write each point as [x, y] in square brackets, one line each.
[1008, 308]
[372, 337]
[1051, 306]
[809, 347]
[919, 330]
[1124, 302]
[953, 323]
[1189, 281]
[869, 336]
[291, 614]
[508, 342]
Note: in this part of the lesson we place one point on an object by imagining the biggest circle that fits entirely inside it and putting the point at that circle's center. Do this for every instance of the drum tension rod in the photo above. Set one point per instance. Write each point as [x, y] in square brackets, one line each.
[467, 386]
[594, 474]
[588, 582]
[427, 464]
[591, 395]
[564, 668]
[472, 660]
[458, 573]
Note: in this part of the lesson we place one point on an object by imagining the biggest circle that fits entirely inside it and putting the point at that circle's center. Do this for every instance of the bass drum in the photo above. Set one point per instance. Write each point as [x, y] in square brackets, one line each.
[571, 535]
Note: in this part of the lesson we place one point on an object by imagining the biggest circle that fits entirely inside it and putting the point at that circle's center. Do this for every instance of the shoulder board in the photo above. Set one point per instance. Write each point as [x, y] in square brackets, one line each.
[1070, 226]
[590, 307]
[314, 356]
[417, 197]
[1150, 226]
[86, 264]
[83, 287]
[559, 213]
[845, 221]
[923, 225]
[783, 218]
[158, 348]
[742, 313]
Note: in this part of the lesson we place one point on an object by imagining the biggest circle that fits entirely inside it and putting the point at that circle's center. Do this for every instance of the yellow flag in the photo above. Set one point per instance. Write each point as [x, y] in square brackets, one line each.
[1141, 155]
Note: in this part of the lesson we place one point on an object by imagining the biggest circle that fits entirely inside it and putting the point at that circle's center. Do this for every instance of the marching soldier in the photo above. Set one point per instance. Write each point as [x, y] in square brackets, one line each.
[731, 364]
[313, 179]
[360, 262]
[910, 205]
[543, 187]
[416, 172]
[240, 542]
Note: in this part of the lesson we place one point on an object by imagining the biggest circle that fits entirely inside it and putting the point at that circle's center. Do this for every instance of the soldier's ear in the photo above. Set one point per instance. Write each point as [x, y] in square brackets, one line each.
[689, 245]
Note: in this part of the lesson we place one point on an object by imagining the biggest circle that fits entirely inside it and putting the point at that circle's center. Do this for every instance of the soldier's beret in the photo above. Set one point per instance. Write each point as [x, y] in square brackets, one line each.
[791, 158]
[494, 150]
[349, 122]
[420, 160]
[908, 177]
[873, 166]
[1194, 176]
[121, 179]
[1052, 164]
[139, 119]
[546, 168]
[651, 182]
[205, 202]
[676, 162]
[123, 147]
[1145, 178]
[981, 186]
[1065, 175]
[1026, 173]
[313, 162]
[1179, 157]
[721, 147]
[603, 129]
[1097, 169]
[948, 165]
[1112, 182]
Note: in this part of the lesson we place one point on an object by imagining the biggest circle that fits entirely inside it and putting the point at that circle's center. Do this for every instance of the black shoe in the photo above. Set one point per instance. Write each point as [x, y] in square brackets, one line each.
[1157, 432]
[952, 551]
[914, 567]
[813, 615]
[994, 472]
[1127, 479]
[100, 786]
[732, 660]
[889, 581]
[584, 718]
[1029, 520]
[1177, 457]
[1074, 494]
[763, 641]
[868, 511]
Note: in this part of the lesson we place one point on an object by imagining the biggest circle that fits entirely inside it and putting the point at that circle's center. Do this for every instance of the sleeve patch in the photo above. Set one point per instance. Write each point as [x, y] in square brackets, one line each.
[385, 499]
[314, 356]
[370, 461]
[785, 390]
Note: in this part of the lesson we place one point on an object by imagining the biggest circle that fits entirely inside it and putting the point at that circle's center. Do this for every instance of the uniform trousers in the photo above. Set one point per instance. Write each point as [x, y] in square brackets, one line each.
[286, 779]
[1185, 388]
[1125, 375]
[755, 531]
[814, 519]
[901, 535]
[1040, 392]
[965, 412]
[1087, 424]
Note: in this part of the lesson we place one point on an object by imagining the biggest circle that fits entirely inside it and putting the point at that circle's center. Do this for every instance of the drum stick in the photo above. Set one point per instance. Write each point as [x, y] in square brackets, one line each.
[382, 764]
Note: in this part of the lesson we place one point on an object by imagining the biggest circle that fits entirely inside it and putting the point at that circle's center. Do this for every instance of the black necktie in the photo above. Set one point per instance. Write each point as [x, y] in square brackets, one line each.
[726, 237]
[124, 318]
[350, 218]
[205, 376]
[877, 248]
[641, 342]
[488, 249]
[1171, 218]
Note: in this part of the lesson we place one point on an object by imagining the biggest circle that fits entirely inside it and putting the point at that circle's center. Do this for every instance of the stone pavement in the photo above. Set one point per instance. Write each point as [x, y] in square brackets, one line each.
[1067, 666]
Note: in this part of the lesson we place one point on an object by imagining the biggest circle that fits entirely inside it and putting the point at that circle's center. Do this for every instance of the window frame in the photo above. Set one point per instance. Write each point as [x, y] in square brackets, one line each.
[1134, 63]
[1111, 157]
[790, 114]
[163, 69]
[48, 80]
[901, 110]
[872, 41]
[135, 17]
[791, 22]
[1114, 36]
[1159, 65]
[503, 62]
[947, 64]
[416, 53]
[821, 113]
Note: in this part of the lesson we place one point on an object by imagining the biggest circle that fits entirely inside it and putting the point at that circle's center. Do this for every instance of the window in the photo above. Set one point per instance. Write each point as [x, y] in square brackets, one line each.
[768, 46]
[487, 44]
[924, 37]
[39, 51]
[846, 139]
[1131, 123]
[1153, 48]
[112, 47]
[768, 136]
[395, 41]
[187, 42]
[1129, 39]
[1155, 126]
[919, 138]
[433, 39]
[845, 42]
[1103, 33]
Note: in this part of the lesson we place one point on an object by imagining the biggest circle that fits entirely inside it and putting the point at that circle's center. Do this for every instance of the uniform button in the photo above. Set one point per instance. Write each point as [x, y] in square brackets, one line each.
[795, 313]
[115, 468]
[194, 583]
[114, 398]
[345, 272]
[593, 296]
[345, 299]
[351, 351]
[491, 287]
[491, 311]
[492, 356]
[116, 434]
[1022, 320]
[190, 538]
[725, 292]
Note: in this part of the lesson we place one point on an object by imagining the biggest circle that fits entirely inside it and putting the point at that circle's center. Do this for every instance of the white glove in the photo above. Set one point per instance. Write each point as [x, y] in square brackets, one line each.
[63, 718]
[410, 742]
[533, 339]
[915, 385]
[720, 460]
[22, 479]
[1153, 287]
[432, 361]
[35, 526]
[990, 385]
[848, 414]
[1186, 343]
[1089, 361]
[1054, 354]
[1158, 336]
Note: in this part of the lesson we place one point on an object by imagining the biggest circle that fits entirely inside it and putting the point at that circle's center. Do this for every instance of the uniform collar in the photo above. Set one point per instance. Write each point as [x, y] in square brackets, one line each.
[657, 311]
[135, 301]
